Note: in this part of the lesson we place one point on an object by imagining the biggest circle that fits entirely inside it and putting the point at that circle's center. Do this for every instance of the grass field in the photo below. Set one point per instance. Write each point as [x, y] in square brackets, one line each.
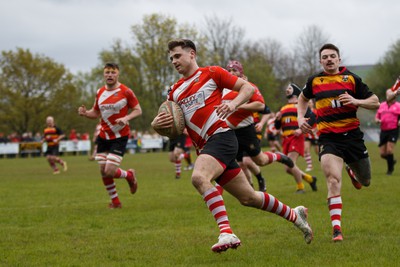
[63, 220]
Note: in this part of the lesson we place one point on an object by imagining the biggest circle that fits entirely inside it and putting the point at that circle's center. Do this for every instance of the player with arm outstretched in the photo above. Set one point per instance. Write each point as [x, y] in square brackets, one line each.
[116, 104]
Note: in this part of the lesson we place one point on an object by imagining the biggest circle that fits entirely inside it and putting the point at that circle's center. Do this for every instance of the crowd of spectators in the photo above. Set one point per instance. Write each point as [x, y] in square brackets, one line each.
[134, 143]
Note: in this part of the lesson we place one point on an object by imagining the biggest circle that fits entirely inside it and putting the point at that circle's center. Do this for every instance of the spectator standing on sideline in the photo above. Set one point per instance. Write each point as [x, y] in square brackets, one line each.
[387, 117]
[52, 136]
[199, 94]
[338, 93]
[113, 102]
[293, 138]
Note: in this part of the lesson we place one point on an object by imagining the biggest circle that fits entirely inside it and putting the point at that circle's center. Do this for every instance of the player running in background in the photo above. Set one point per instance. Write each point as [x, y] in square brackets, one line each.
[177, 153]
[242, 122]
[199, 94]
[293, 138]
[338, 93]
[52, 136]
[272, 134]
[113, 102]
[188, 154]
[311, 140]
[387, 117]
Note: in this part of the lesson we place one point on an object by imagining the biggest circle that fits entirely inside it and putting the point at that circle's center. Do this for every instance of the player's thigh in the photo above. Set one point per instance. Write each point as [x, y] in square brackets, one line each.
[206, 168]
[332, 166]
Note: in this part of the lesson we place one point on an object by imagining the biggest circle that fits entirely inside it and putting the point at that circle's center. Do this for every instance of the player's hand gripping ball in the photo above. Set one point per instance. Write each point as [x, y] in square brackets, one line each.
[178, 125]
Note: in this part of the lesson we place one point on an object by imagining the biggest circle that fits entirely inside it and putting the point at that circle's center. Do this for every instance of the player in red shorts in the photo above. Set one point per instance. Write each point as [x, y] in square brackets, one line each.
[293, 138]
[116, 104]
[199, 94]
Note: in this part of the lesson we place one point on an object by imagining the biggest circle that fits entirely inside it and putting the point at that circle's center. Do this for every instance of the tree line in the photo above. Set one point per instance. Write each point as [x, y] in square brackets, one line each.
[34, 86]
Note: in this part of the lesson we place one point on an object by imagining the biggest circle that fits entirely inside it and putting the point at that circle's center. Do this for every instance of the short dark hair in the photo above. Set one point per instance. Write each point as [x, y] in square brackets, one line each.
[329, 46]
[184, 43]
[111, 65]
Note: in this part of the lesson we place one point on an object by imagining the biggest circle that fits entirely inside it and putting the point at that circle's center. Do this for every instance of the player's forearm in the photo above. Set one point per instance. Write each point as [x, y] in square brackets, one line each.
[302, 105]
[91, 114]
[371, 102]
[253, 106]
[136, 112]
[245, 93]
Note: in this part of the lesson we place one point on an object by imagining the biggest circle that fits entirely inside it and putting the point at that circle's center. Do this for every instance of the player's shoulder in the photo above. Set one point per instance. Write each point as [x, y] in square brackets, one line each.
[212, 69]
[124, 87]
[316, 75]
[101, 89]
[126, 90]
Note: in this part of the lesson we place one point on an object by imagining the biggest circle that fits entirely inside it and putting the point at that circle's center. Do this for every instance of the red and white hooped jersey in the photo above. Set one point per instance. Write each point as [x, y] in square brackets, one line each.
[241, 117]
[197, 96]
[112, 105]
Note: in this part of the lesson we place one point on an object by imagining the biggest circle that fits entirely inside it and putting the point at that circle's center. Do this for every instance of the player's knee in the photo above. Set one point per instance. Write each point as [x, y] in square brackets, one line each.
[259, 160]
[108, 174]
[197, 181]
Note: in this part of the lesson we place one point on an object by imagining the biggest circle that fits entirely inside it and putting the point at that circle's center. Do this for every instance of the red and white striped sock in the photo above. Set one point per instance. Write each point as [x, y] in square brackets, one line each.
[272, 156]
[178, 167]
[272, 204]
[216, 205]
[111, 190]
[219, 188]
[120, 173]
[308, 159]
[335, 211]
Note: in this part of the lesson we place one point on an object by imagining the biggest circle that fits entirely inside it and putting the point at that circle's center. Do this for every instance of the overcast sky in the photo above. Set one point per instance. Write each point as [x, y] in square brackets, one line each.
[73, 32]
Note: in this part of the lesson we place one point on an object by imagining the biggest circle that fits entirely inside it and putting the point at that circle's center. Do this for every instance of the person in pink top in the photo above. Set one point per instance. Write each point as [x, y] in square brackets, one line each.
[116, 105]
[199, 94]
[388, 118]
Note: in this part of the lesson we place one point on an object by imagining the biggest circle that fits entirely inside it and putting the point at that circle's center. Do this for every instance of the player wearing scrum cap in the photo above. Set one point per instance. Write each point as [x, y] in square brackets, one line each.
[292, 136]
[199, 94]
[116, 104]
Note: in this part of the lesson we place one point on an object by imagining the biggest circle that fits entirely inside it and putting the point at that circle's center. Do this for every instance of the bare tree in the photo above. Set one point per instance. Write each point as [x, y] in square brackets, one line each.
[224, 40]
[306, 50]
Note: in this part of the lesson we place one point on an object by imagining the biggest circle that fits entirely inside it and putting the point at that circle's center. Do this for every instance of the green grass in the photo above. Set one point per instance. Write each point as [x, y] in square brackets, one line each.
[63, 220]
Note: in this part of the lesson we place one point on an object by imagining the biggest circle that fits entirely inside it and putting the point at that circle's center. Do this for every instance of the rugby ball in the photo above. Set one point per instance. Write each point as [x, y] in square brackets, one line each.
[178, 126]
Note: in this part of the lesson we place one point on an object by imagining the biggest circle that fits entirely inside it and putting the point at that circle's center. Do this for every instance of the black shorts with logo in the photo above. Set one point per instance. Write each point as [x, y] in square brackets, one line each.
[349, 145]
[115, 146]
[249, 144]
[388, 136]
[223, 146]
